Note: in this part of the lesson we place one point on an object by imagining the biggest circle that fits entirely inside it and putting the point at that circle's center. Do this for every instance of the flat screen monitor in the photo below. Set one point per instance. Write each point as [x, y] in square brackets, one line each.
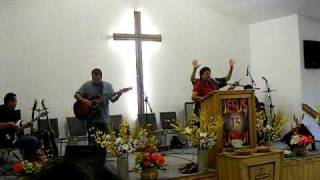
[311, 54]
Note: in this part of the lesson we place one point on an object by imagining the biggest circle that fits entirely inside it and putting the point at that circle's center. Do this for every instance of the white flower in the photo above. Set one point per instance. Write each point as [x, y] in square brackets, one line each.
[203, 134]
[188, 130]
[268, 127]
[125, 147]
[118, 140]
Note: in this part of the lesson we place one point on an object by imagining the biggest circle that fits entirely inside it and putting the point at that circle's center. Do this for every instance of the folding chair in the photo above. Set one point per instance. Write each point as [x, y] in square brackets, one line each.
[54, 123]
[148, 121]
[115, 121]
[43, 125]
[77, 130]
[188, 110]
[166, 119]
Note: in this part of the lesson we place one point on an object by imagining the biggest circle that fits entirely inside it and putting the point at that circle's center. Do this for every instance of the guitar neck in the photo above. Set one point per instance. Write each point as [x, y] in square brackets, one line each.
[31, 122]
[124, 90]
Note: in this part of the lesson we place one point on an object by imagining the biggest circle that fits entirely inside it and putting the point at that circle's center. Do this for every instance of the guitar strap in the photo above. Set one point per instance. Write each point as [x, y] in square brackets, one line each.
[34, 107]
[101, 88]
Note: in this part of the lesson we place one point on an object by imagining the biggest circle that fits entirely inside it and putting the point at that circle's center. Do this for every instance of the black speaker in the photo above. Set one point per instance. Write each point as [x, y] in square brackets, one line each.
[85, 153]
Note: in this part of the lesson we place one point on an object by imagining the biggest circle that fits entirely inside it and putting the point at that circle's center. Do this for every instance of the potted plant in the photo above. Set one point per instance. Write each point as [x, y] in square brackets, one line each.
[120, 145]
[269, 130]
[299, 144]
[148, 162]
[203, 136]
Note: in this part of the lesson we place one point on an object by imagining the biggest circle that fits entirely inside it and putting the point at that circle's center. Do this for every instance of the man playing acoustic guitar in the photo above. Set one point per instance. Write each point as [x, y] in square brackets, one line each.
[8, 128]
[95, 95]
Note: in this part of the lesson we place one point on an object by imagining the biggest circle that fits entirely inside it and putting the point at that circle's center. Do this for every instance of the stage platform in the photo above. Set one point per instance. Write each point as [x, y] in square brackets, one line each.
[293, 168]
[175, 158]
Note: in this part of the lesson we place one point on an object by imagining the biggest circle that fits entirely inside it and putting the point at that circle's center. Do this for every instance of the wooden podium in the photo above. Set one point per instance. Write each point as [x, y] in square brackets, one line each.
[266, 166]
[237, 110]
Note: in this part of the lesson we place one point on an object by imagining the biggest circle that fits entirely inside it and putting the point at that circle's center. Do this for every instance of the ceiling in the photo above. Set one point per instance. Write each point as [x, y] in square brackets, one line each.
[252, 11]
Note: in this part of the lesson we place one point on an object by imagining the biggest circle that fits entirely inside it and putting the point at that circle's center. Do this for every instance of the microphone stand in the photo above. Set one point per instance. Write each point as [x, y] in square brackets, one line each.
[146, 102]
[252, 81]
[271, 106]
[240, 85]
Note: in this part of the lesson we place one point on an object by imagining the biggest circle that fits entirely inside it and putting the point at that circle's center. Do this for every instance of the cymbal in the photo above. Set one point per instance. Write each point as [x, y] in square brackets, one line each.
[268, 91]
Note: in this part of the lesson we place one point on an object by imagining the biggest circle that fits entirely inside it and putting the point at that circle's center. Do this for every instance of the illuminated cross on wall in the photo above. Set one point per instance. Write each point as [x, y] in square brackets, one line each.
[138, 38]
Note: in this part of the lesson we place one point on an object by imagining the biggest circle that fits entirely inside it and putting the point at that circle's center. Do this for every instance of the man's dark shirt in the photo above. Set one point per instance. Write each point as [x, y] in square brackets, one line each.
[219, 82]
[8, 115]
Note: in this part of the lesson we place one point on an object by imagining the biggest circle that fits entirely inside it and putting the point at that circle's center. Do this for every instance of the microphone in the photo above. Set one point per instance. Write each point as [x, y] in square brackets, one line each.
[264, 78]
[247, 71]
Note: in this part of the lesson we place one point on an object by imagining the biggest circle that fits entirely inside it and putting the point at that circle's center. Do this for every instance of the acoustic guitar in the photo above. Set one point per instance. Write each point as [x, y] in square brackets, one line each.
[82, 111]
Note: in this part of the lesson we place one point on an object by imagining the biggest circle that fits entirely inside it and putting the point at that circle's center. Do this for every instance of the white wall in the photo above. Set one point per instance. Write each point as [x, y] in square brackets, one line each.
[309, 30]
[275, 55]
[48, 47]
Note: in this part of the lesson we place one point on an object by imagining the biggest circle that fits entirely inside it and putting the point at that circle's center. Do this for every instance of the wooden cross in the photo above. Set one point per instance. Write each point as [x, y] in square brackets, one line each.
[138, 38]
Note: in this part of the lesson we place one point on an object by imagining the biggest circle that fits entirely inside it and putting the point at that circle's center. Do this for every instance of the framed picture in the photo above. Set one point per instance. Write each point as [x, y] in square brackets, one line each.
[236, 129]
[237, 111]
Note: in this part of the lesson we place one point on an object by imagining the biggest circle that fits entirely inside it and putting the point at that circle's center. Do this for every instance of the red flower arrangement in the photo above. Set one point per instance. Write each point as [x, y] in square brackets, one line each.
[148, 160]
[33, 167]
[300, 140]
[26, 168]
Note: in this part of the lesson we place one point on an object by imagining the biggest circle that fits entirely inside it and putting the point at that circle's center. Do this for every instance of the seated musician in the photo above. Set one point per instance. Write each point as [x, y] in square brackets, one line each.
[9, 129]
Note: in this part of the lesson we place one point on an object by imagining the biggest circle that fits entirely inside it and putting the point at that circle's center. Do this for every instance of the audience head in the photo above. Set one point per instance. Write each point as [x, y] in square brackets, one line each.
[66, 170]
[77, 169]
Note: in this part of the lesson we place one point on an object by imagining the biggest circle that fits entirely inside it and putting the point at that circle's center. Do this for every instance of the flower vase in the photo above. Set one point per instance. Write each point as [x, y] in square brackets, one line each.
[122, 167]
[300, 150]
[203, 161]
[149, 174]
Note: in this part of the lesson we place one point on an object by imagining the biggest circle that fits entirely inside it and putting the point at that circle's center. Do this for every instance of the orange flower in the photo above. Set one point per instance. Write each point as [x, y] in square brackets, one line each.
[158, 158]
[18, 167]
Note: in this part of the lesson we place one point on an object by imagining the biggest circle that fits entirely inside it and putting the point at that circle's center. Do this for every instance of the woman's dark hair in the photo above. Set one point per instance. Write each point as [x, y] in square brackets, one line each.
[204, 69]
[9, 97]
[96, 71]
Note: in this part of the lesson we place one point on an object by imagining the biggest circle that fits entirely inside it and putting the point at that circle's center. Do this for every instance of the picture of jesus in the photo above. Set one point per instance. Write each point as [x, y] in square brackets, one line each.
[236, 127]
